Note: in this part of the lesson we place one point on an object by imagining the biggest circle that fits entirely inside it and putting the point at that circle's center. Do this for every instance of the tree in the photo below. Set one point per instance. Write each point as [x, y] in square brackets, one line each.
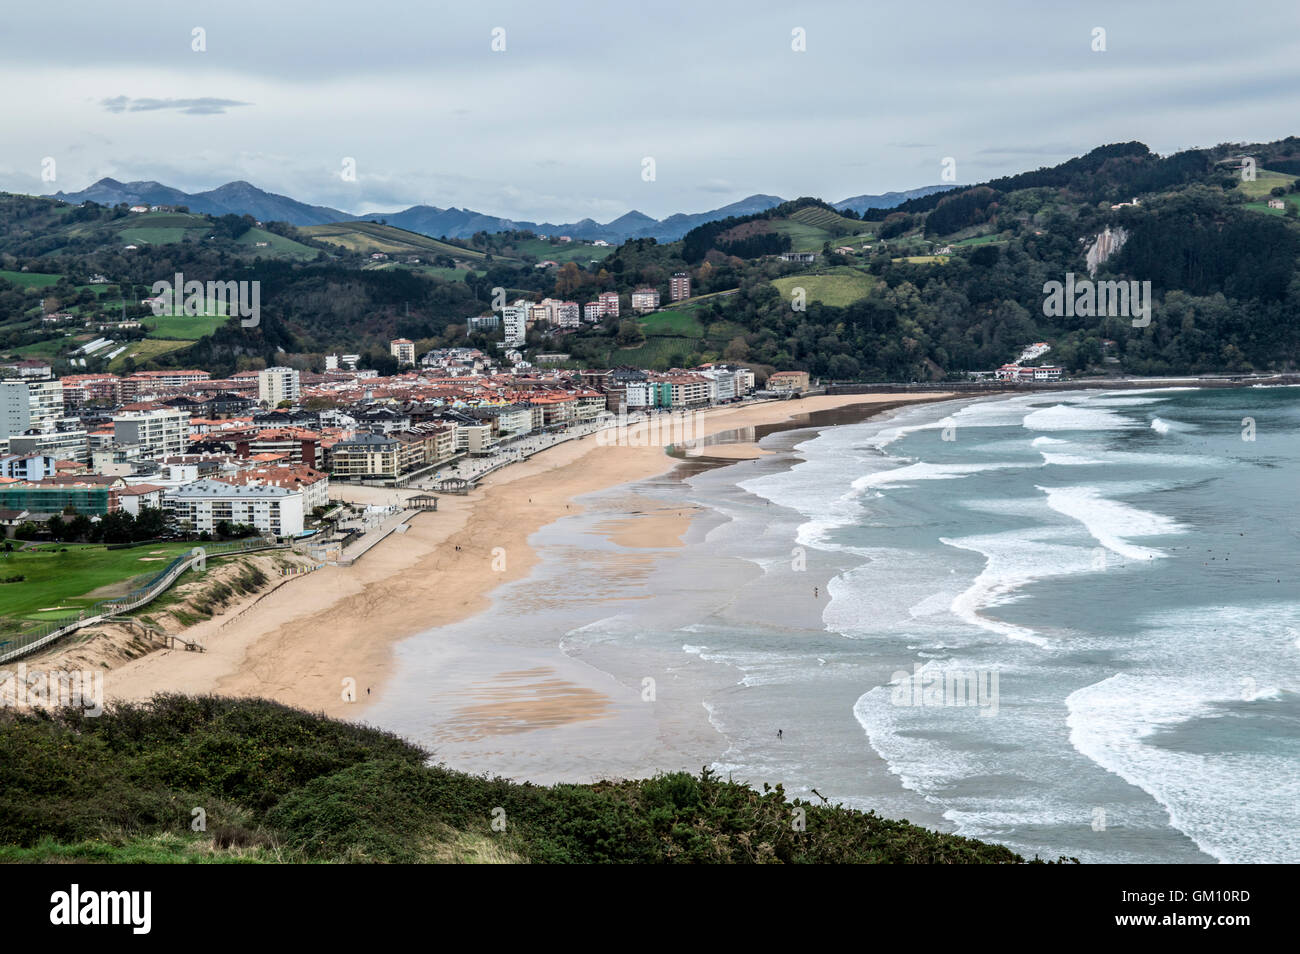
[629, 334]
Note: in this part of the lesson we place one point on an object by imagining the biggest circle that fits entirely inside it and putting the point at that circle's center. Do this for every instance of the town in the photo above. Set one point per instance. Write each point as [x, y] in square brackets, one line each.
[256, 452]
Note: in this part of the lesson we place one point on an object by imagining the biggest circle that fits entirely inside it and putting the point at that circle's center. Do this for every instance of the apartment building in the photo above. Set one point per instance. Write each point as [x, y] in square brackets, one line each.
[688, 390]
[28, 404]
[366, 457]
[567, 314]
[80, 390]
[796, 381]
[608, 304]
[62, 442]
[278, 384]
[88, 494]
[679, 286]
[483, 323]
[144, 384]
[592, 312]
[313, 484]
[514, 318]
[27, 466]
[645, 299]
[158, 431]
[205, 503]
[403, 349]
[298, 445]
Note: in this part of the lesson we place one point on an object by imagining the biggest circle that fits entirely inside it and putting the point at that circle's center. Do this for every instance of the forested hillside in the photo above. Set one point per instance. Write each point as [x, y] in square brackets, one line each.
[943, 284]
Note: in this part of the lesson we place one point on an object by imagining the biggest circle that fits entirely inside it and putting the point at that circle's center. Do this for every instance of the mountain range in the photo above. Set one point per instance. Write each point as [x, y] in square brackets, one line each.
[244, 198]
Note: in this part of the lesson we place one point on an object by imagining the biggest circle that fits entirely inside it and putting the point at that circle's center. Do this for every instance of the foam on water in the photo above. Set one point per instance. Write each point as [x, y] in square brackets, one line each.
[1110, 522]
[1238, 806]
[1076, 417]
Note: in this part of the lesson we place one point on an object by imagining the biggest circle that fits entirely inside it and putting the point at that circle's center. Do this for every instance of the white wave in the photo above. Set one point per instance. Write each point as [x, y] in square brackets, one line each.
[1110, 522]
[1067, 417]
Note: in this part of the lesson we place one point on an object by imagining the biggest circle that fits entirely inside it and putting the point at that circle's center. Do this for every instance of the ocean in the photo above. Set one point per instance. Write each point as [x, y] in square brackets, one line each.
[1066, 622]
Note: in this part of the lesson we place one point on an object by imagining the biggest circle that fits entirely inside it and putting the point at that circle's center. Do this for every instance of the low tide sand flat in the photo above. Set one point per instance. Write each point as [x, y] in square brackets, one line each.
[302, 642]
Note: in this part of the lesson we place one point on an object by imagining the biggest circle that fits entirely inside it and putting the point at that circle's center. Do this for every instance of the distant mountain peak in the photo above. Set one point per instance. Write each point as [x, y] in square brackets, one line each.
[241, 197]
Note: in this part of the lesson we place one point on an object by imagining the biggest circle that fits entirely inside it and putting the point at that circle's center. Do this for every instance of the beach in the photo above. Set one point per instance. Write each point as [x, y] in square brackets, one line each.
[325, 641]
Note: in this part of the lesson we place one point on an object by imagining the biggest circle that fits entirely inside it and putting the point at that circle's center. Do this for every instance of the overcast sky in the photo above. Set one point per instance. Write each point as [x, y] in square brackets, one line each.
[556, 127]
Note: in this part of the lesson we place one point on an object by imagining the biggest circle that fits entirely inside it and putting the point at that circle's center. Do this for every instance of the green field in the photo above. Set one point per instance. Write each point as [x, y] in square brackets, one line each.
[811, 227]
[277, 245]
[29, 279]
[183, 327]
[1263, 183]
[975, 240]
[369, 237]
[562, 252]
[838, 287]
[62, 576]
[147, 350]
[681, 322]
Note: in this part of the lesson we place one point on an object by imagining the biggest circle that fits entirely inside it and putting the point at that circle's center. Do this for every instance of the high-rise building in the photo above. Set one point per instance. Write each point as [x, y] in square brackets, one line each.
[159, 432]
[29, 404]
[277, 384]
[515, 319]
[403, 349]
[679, 286]
[609, 304]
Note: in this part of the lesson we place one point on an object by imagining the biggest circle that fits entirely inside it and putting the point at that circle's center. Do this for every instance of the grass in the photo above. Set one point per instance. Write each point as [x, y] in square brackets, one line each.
[29, 279]
[810, 228]
[277, 245]
[562, 252]
[1263, 183]
[280, 784]
[682, 322]
[159, 235]
[369, 237]
[58, 578]
[183, 327]
[146, 350]
[837, 286]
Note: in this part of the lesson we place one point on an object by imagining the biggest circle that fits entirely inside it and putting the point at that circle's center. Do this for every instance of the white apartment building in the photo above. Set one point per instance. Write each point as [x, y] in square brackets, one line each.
[722, 384]
[592, 312]
[515, 420]
[483, 322]
[205, 503]
[608, 304]
[645, 299]
[403, 349]
[515, 319]
[277, 384]
[29, 404]
[159, 432]
[567, 314]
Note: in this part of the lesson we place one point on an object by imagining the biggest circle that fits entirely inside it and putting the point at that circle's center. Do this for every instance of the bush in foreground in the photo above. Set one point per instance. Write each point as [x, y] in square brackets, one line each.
[278, 784]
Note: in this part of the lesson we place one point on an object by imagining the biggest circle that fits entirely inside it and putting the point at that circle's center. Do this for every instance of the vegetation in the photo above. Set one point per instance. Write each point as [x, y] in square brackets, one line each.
[1224, 279]
[210, 779]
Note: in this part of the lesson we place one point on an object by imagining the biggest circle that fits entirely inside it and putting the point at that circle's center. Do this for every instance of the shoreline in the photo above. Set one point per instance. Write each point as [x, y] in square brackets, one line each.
[308, 643]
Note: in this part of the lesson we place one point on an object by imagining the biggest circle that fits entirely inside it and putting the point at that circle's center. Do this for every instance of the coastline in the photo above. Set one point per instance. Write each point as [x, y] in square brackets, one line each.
[309, 642]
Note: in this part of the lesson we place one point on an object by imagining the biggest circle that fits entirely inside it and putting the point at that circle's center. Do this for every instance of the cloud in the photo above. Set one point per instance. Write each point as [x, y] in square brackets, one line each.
[200, 106]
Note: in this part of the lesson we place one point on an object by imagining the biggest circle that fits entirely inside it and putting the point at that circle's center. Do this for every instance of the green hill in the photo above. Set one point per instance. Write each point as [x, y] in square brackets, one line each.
[371, 237]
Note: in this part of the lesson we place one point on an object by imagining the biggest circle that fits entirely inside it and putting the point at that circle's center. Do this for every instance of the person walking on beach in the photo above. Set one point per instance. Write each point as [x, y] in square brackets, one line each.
[780, 734]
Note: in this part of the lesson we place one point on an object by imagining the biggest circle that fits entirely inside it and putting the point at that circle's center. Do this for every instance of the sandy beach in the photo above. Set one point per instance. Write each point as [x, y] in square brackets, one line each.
[321, 637]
